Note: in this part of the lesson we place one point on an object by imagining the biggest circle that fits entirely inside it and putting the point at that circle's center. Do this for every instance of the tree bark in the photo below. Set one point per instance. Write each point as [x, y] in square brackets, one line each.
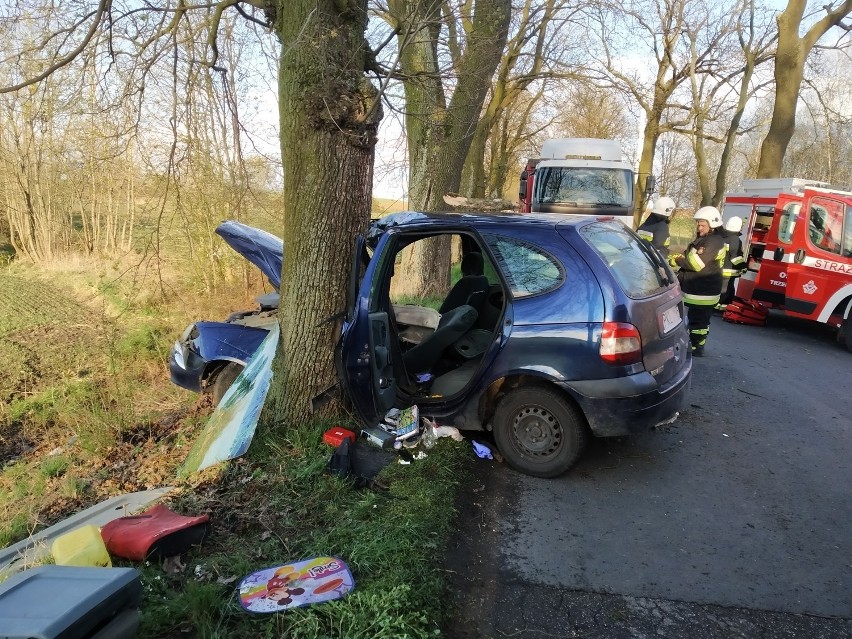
[329, 114]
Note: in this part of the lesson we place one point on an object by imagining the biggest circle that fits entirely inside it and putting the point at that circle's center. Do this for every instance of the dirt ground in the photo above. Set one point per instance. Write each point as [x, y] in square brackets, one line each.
[51, 339]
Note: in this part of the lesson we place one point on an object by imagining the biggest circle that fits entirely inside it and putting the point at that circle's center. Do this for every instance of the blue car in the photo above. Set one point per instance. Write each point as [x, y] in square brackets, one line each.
[557, 330]
[209, 355]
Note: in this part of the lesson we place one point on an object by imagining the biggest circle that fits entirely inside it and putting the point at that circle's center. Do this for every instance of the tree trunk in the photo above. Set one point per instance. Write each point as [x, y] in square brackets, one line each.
[329, 116]
[790, 58]
[439, 135]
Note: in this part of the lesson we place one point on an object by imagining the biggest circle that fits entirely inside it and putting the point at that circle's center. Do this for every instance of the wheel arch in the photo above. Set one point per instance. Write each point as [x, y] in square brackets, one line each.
[499, 388]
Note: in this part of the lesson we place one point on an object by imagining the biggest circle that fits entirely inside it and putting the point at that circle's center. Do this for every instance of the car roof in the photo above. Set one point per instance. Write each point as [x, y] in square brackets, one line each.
[481, 220]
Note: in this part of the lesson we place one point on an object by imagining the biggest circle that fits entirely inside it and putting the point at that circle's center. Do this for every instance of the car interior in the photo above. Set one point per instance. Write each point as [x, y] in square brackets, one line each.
[442, 340]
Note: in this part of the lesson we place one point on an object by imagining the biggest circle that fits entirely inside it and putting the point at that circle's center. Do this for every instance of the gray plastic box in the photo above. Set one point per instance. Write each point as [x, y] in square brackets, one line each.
[69, 602]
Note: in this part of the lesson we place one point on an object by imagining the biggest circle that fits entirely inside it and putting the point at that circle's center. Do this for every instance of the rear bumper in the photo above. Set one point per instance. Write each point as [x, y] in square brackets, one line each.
[632, 404]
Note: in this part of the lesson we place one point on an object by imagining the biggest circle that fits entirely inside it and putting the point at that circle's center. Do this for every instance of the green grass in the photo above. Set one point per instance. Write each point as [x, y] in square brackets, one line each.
[281, 506]
[98, 389]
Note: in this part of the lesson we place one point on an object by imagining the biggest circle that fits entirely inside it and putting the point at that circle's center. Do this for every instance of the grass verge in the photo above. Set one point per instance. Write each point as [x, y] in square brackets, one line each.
[280, 506]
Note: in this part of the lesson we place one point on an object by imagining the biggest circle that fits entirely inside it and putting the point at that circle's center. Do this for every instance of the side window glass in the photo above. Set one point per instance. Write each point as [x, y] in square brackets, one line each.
[847, 233]
[787, 223]
[630, 260]
[528, 270]
[825, 225]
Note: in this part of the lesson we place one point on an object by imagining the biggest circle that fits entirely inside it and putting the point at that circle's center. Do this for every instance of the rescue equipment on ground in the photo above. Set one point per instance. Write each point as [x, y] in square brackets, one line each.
[746, 312]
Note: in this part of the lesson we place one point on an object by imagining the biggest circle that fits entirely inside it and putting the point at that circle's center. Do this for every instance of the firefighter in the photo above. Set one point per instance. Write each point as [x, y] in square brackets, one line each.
[655, 229]
[734, 263]
[700, 274]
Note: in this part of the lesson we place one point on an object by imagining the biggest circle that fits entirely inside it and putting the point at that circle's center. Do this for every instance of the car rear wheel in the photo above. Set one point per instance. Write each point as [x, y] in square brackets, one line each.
[844, 334]
[538, 431]
[223, 380]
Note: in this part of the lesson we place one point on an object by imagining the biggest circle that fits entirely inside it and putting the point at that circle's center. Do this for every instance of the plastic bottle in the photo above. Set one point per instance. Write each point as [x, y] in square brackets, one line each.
[429, 438]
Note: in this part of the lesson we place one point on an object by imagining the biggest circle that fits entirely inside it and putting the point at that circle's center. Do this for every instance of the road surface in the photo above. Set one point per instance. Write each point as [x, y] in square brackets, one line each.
[732, 522]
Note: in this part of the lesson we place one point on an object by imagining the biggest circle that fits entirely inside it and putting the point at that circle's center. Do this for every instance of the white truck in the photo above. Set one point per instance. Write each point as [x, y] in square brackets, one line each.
[579, 176]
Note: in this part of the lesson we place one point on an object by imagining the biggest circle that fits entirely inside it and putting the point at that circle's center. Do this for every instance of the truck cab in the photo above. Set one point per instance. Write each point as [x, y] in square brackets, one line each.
[799, 251]
[579, 177]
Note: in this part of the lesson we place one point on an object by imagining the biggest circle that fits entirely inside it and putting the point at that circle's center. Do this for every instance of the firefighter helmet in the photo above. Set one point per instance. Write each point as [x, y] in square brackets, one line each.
[664, 206]
[734, 225]
[710, 214]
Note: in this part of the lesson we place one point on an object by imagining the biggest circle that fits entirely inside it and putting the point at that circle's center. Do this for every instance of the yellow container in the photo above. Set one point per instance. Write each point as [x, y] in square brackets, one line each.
[82, 546]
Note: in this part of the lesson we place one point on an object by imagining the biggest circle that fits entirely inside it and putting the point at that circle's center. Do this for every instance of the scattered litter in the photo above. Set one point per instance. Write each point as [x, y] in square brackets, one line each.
[482, 451]
[449, 431]
[82, 546]
[156, 533]
[173, 565]
[226, 581]
[335, 435]
[403, 462]
[378, 437]
[428, 438]
[402, 423]
[724, 434]
[295, 585]
[422, 378]
[420, 455]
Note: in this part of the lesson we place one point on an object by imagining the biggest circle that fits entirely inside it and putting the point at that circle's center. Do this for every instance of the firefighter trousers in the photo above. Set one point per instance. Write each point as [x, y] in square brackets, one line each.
[699, 323]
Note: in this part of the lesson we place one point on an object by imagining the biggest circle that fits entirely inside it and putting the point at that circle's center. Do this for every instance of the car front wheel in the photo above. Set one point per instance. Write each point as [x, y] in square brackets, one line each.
[223, 380]
[538, 431]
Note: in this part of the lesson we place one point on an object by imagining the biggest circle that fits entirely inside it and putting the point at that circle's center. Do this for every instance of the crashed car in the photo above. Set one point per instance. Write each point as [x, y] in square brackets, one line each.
[557, 330]
[209, 355]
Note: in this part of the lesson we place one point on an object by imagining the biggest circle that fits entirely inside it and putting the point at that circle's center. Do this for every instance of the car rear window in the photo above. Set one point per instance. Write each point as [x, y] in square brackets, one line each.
[527, 268]
[639, 271]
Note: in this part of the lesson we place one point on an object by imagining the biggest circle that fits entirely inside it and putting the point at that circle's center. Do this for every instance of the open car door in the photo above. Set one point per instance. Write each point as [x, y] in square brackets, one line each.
[364, 356]
[819, 275]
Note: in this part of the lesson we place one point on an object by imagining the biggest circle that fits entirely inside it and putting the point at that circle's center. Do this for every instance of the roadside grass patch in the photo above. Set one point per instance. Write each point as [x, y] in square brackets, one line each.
[280, 506]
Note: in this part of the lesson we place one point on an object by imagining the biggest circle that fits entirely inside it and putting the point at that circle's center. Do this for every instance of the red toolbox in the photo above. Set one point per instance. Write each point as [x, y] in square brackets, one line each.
[335, 436]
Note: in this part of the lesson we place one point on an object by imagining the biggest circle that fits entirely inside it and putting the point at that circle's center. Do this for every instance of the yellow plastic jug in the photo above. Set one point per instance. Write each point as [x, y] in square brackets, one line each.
[81, 547]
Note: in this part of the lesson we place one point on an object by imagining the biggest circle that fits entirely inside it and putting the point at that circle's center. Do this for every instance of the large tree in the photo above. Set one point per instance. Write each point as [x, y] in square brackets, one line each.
[329, 114]
[790, 58]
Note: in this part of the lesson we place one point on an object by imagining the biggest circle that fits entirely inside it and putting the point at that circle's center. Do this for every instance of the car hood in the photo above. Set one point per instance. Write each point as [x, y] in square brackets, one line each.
[262, 249]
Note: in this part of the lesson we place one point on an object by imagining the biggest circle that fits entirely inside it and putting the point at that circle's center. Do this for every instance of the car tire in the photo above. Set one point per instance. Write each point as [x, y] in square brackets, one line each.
[223, 380]
[539, 431]
[844, 334]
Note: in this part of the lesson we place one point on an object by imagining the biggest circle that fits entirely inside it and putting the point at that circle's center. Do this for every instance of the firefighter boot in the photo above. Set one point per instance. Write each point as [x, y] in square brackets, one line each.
[698, 351]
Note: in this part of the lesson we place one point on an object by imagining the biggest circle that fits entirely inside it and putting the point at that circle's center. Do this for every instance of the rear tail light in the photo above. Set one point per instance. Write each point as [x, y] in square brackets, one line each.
[621, 344]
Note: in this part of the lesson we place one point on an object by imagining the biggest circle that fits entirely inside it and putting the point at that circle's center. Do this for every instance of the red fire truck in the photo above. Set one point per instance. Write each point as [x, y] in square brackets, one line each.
[798, 245]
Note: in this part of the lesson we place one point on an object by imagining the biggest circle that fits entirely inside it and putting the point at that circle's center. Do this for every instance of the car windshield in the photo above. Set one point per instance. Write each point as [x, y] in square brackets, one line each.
[636, 269]
[584, 186]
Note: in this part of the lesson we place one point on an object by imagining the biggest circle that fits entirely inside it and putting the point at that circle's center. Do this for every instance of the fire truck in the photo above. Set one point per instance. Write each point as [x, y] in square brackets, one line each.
[579, 176]
[798, 247]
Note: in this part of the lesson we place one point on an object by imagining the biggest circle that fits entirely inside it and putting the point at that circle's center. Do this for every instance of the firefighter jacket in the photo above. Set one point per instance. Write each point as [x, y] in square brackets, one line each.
[700, 273]
[655, 231]
[734, 263]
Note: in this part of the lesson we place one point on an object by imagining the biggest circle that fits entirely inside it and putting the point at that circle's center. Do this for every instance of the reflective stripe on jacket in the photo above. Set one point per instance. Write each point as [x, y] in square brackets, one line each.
[700, 273]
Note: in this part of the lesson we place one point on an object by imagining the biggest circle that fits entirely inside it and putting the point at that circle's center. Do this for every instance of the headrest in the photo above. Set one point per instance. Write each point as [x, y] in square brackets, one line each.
[472, 264]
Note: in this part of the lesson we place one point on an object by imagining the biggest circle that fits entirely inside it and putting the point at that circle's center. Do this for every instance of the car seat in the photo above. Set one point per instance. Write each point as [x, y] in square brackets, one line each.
[453, 325]
[471, 289]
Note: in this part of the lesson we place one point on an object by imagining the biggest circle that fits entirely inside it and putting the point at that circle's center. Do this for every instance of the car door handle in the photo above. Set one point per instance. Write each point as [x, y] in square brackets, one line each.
[382, 359]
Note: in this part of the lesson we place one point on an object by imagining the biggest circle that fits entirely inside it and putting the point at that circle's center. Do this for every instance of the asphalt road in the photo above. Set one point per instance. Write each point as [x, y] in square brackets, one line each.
[735, 521]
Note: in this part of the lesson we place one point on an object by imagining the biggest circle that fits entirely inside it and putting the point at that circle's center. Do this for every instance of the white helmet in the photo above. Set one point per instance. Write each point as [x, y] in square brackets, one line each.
[710, 214]
[735, 225]
[664, 206]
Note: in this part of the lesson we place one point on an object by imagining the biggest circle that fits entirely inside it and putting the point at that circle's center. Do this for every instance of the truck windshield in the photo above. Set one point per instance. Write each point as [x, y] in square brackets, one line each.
[584, 186]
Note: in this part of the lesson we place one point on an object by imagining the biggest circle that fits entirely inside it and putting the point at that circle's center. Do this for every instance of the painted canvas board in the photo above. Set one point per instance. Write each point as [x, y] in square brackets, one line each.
[231, 427]
[295, 585]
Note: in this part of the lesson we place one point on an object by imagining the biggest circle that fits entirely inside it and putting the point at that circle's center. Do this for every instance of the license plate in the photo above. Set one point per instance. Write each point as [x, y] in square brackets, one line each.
[671, 318]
